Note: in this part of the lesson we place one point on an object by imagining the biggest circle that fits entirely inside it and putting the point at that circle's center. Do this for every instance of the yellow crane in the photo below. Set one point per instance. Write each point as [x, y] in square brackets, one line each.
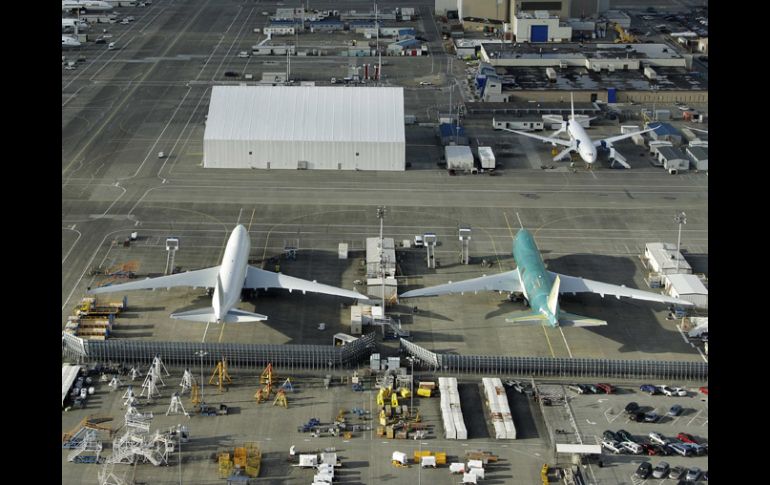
[624, 36]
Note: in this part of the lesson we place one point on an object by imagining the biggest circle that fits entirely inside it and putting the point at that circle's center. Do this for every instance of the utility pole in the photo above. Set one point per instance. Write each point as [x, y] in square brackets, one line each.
[201, 354]
[680, 219]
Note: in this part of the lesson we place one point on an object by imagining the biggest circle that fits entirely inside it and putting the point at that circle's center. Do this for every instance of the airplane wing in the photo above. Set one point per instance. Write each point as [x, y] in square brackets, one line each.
[571, 284]
[547, 139]
[613, 139]
[508, 281]
[200, 278]
[259, 278]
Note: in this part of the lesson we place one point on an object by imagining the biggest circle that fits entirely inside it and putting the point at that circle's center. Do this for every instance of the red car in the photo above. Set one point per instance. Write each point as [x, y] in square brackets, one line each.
[686, 438]
[607, 388]
[648, 449]
[704, 390]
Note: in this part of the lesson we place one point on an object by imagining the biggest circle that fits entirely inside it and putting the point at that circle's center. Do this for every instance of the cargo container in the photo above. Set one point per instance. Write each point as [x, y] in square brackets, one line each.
[458, 158]
[487, 157]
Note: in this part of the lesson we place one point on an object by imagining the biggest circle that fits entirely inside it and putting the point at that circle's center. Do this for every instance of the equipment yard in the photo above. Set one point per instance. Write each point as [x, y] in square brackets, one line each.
[134, 186]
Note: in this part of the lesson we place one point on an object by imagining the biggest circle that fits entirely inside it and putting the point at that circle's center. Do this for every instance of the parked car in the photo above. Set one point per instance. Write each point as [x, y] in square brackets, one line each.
[651, 417]
[676, 473]
[624, 435]
[649, 449]
[610, 435]
[662, 450]
[644, 470]
[612, 446]
[576, 388]
[704, 390]
[639, 416]
[607, 388]
[696, 449]
[686, 438]
[673, 391]
[661, 470]
[631, 447]
[657, 438]
[632, 407]
[652, 390]
[675, 410]
[592, 389]
[680, 449]
[693, 474]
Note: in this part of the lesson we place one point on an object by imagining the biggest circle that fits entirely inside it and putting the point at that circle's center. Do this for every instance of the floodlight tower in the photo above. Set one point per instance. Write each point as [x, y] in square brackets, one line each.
[465, 238]
[430, 248]
[381, 216]
[680, 219]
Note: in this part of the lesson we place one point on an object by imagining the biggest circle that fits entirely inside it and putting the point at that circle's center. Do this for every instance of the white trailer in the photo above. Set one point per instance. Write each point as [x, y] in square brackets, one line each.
[487, 157]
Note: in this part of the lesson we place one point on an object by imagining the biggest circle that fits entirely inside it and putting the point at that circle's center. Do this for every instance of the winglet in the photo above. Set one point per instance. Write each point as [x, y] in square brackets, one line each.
[553, 297]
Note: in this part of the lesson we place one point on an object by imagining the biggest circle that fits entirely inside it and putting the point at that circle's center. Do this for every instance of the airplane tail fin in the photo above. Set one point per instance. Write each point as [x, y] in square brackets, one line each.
[572, 320]
[526, 317]
[208, 315]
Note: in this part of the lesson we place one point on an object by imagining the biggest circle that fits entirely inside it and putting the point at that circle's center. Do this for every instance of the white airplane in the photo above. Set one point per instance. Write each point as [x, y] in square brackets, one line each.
[89, 5]
[579, 140]
[67, 41]
[228, 279]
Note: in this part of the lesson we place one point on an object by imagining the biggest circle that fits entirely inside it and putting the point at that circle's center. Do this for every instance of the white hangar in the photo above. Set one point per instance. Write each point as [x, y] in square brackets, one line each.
[305, 127]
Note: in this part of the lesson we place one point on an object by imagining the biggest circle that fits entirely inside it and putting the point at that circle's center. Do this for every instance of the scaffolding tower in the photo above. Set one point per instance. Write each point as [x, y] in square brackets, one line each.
[159, 368]
[265, 384]
[220, 371]
[176, 407]
[107, 476]
[115, 383]
[150, 385]
[129, 398]
[187, 381]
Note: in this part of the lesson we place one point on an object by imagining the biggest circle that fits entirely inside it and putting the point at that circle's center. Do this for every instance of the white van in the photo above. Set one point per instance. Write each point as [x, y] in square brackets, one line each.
[418, 242]
[631, 447]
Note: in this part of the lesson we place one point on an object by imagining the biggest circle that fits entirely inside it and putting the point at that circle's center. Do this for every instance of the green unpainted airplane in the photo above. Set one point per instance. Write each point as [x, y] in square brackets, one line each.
[542, 288]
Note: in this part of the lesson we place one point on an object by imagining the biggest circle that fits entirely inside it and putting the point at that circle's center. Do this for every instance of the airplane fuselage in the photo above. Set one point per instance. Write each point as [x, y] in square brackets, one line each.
[88, 5]
[232, 273]
[585, 147]
[537, 282]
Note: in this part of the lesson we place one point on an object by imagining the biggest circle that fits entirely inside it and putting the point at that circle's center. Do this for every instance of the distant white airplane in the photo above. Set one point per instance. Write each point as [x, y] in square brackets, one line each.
[579, 141]
[67, 41]
[228, 279]
[88, 5]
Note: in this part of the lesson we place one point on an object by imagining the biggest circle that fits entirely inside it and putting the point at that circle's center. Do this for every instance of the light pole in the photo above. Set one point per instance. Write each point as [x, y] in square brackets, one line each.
[201, 354]
[680, 219]
[411, 395]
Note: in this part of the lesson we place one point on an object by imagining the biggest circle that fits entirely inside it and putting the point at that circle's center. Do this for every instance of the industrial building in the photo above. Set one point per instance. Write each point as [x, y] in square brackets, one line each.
[663, 258]
[540, 27]
[699, 156]
[665, 132]
[305, 127]
[673, 160]
[687, 287]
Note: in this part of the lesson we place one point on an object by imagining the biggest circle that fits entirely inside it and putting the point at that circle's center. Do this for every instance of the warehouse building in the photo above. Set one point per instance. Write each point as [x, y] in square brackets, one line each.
[665, 132]
[674, 161]
[699, 156]
[688, 287]
[305, 127]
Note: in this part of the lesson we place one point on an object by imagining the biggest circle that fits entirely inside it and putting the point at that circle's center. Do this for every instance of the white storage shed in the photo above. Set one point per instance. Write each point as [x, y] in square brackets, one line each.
[662, 258]
[305, 127]
[699, 156]
[688, 287]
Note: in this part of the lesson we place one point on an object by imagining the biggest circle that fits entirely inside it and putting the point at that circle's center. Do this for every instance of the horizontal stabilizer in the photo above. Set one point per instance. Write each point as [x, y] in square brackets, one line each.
[572, 320]
[526, 317]
[208, 315]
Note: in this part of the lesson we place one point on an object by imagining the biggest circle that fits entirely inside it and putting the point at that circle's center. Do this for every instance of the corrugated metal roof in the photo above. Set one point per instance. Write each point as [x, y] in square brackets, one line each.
[307, 113]
[670, 153]
[687, 284]
[68, 375]
[699, 152]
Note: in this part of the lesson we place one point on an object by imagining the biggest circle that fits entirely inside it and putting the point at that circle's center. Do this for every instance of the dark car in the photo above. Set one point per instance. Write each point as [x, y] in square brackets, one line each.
[592, 389]
[661, 470]
[632, 407]
[686, 438]
[644, 470]
[624, 435]
[676, 473]
[231, 74]
[639, 416]
[609, 435]
[651, 417]
[675, 410]
[662, 450]
[649, 388]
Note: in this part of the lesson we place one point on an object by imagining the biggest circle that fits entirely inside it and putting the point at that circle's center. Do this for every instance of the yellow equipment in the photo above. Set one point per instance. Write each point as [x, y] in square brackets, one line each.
[196, 395]
[404, 392]
[280, 399]
[423, 392]
[544, 474]
[623, 36]
[220, 371]
[394, 399]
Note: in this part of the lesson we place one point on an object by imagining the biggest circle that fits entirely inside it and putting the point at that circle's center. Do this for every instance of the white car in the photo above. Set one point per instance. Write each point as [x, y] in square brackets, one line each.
[426, 83]
[631, 447]
[673, 391]
[657, 438]
[613, 446]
